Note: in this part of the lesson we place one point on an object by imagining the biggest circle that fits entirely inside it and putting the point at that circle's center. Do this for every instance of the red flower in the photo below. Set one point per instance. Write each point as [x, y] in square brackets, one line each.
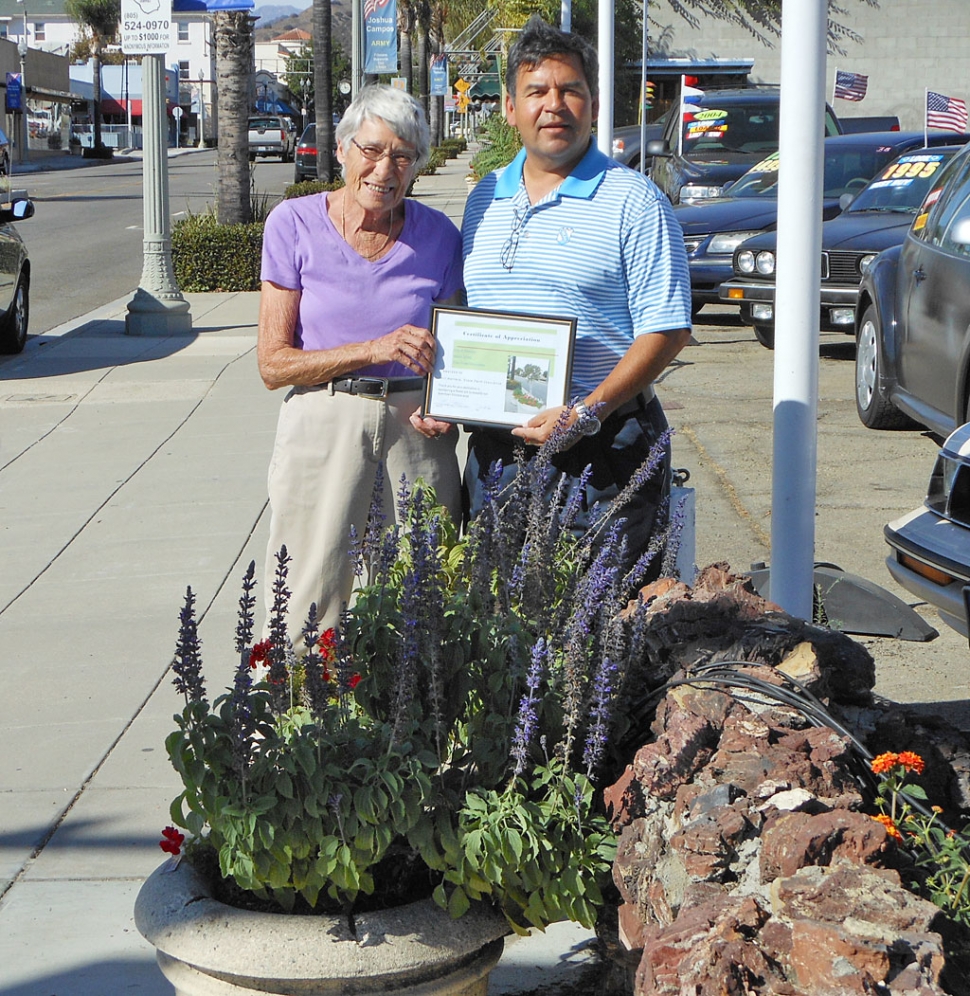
[912, 762]
[891, 828]
[260, 653]
[328, 644]
[354, 680]
[172, 844]
[884, 762]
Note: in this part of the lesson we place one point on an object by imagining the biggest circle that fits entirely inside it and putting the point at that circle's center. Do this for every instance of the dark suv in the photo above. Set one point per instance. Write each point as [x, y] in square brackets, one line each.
[723, 134]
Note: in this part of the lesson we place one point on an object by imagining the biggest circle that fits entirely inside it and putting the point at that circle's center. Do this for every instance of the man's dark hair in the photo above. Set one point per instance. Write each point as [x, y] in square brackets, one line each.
[538, 41]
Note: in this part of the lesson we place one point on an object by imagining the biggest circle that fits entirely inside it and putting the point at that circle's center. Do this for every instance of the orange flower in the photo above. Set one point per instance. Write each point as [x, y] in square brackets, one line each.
[912, 762]
[884, 762]
[891, 828]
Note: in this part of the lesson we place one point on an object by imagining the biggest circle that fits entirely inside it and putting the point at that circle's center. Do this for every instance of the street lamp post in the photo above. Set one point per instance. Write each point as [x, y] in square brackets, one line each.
[24, 125]
[306, 94]
[201, 110]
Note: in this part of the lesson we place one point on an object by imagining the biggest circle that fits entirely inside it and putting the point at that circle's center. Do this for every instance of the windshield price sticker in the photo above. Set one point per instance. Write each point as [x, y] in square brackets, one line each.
[146, 27]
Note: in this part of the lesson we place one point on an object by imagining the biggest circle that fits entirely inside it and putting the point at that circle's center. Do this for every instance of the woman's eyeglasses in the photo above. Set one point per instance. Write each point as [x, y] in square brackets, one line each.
[375, 153]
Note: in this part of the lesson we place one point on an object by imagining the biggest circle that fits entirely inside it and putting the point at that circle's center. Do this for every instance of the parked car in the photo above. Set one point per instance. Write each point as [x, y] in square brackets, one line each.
[271, 135]
[714, 229]
[626, 142]
[885, 122]
[305, 156]
[913, 316]
[879, 217]
[14, 275]
[930, 546]
[719, 138]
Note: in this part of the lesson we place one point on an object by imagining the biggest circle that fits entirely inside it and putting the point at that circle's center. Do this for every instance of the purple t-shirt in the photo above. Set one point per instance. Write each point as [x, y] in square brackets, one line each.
[346, 298]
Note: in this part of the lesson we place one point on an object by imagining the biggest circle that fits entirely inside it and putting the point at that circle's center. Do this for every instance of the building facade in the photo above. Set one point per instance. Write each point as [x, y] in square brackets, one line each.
[905, 47]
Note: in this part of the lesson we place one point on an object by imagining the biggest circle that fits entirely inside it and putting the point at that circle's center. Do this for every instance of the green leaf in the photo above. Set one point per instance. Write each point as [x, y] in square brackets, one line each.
[458, 903]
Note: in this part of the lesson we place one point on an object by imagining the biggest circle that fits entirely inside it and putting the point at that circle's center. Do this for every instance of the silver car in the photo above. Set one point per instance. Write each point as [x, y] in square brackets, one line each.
[14, 275]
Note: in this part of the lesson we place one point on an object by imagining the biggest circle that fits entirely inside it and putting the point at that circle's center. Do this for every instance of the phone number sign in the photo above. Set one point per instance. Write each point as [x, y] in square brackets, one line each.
[146, 27]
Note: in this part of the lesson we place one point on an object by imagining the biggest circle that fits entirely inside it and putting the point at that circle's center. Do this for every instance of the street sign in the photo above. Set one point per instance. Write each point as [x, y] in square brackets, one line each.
[14, 101]
[146, 27]
[399, 82]
[463, 103]
[462, 85]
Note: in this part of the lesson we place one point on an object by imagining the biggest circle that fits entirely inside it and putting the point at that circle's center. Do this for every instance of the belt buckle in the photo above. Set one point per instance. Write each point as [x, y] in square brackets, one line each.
[379, 391]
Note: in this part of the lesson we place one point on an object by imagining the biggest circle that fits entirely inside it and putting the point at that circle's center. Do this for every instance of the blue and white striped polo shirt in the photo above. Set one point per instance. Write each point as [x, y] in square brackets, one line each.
[604, 247]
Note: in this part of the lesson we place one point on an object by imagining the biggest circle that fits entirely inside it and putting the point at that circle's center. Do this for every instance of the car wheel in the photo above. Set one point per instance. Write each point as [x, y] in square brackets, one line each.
[13, 325]
[765, 334]
[875, 410]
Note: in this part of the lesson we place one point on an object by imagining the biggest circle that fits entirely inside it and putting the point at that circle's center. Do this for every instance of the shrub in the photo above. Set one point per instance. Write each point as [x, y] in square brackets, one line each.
[306, 187]
[208, 256]
[500, 143]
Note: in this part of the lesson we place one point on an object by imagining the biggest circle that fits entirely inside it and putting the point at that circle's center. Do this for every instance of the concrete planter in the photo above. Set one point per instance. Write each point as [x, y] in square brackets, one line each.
[206, 948]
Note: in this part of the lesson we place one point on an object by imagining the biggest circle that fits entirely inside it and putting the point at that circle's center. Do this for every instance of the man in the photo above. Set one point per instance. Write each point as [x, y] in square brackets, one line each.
[565, 230]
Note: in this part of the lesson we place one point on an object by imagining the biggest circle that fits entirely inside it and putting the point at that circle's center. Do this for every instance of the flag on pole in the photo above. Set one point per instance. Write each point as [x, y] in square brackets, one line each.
[850, 86]
[945, 112]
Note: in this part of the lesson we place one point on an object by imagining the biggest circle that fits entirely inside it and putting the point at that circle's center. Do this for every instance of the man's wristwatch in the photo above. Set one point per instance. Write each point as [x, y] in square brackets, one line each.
[588, 423]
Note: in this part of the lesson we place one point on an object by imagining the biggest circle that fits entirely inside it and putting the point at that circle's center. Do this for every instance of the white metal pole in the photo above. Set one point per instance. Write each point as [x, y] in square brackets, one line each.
[356, 47]
[566, 15]
[604, 129]
[643, 92]
[797, 306]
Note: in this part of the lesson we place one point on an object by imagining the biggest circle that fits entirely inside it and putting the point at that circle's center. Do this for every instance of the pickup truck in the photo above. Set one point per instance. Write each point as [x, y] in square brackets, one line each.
[271, 135]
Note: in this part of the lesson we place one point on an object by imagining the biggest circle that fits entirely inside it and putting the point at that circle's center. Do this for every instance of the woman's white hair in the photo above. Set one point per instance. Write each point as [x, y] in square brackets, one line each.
[397, 109]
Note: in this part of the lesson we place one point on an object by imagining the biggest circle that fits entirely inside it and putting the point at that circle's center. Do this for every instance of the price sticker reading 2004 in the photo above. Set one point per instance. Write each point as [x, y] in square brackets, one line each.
[498, 368]
[146, 27]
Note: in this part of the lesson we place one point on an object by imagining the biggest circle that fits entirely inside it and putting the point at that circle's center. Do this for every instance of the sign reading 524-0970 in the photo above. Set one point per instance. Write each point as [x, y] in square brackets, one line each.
[146, 27]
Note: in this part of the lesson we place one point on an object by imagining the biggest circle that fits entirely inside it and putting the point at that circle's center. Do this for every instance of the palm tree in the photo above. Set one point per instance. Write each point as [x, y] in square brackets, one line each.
[233, 31]
[100, 18]
[405, 27]
[323, 86]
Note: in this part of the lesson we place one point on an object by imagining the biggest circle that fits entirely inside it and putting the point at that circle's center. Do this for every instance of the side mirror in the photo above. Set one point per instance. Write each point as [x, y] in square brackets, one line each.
[657, 147]
[19, 210]
[959, 233]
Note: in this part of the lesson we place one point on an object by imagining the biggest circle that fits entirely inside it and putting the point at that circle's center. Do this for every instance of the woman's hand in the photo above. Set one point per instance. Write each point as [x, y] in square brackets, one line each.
[412, 346]
[430, 427]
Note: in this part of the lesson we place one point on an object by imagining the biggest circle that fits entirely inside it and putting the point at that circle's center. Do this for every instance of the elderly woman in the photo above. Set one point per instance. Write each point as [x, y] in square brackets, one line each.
[348, 280]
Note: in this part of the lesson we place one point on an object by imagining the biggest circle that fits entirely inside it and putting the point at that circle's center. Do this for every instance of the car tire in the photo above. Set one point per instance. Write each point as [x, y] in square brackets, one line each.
[13, 325]
[765, 334]
[875, 410]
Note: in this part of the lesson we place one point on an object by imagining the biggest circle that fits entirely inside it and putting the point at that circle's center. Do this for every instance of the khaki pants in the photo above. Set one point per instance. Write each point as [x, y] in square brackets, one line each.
[321, 479]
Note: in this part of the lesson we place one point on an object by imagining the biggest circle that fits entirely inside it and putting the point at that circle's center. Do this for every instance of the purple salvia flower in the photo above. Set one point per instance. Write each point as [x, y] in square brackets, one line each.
[675, 533]
[599, 715]
[241, 720]
[247, 603]
[375, 519]
[187, 663]
[356, 553]
[317, 689]
[658, 540]
[277, 675]
[528, 721]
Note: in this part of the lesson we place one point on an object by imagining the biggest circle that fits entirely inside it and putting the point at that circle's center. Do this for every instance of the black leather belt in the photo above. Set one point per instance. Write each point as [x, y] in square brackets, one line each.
[376, 388]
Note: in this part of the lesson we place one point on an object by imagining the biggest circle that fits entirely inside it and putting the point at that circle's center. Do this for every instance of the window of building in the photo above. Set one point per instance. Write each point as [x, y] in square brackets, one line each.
[183, 30]
[3, 29]
[183, 69]
[40, 31]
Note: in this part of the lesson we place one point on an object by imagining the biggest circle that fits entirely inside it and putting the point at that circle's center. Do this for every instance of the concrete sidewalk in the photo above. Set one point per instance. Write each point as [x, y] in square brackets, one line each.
[130, 468]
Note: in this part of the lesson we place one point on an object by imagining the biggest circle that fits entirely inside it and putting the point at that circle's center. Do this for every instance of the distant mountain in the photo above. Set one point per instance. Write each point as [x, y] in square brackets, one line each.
[273, 11]
[340, 13]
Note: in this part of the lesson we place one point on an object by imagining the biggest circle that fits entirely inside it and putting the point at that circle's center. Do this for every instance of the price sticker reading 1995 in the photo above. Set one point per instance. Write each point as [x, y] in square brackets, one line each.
[146, 27]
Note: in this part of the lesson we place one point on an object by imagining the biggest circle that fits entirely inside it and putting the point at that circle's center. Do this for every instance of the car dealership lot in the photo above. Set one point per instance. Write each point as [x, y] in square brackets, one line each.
[718, 397]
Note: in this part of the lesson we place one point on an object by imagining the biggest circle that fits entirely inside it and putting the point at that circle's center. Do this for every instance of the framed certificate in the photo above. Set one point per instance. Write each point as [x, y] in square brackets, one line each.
[498, 368]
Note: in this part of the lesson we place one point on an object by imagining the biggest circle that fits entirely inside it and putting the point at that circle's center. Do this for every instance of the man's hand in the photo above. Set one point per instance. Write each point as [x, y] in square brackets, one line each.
[539, 428]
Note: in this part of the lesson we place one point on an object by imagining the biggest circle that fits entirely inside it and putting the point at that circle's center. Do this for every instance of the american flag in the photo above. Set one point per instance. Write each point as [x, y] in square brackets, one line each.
[850, 86]
[944, 112]
[372, 6]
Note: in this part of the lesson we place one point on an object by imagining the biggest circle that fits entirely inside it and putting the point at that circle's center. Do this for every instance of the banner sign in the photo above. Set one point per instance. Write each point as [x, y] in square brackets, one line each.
[380, 36]
[146, 27]
[15, 99]
[439, 76]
